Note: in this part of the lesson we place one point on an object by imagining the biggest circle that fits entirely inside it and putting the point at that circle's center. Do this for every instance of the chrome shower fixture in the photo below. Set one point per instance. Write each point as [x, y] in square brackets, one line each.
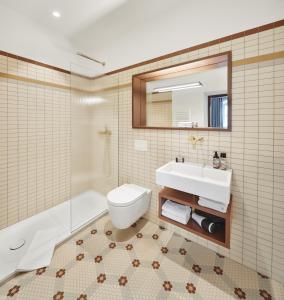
[90, 58]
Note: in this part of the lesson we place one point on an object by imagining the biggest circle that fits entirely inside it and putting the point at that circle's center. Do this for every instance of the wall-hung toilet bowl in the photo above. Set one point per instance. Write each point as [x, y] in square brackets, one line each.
[127, 203]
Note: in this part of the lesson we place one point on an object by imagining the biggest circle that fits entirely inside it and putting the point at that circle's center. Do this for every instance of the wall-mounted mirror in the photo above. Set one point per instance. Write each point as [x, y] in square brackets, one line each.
[193, 95]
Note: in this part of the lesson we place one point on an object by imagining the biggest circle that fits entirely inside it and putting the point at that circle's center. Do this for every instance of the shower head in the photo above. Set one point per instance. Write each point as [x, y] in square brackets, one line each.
[92, 59]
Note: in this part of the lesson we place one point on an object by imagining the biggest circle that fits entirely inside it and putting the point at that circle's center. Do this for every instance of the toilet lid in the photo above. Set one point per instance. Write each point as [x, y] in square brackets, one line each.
[125, 194]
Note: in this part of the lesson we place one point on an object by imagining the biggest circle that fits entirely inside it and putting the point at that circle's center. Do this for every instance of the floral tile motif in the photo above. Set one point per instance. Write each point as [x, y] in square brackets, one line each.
[79, 242]
[13, 291]
[220, 255]
[129, 247]
[262, 275]
[125, 261]
[240, 293]
[164, 250]
[58, 296]
[80, 256]
[60, 273]
[94, 231]
[112, 245]
[40, 271]
[265, 295]
[122, 280]
[101, 278]
[167, 286]
[155, 236]
[109, 232]
[196, 268]
[136, 263]
[155, 264]
[98, 258]
[218, 270]
[139, 235]
[191, 288]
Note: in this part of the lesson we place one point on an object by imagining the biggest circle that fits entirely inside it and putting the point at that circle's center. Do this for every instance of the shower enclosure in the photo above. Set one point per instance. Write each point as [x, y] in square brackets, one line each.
[59, 159]
[94, 145]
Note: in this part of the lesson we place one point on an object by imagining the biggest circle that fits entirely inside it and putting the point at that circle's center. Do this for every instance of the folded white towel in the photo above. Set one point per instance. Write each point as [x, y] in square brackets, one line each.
[179, 210]
[183, 220]
[213, 204]
[40, 251]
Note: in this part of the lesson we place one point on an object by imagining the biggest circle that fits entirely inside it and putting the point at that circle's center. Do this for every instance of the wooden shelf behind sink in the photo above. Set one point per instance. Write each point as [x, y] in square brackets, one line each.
[220, 237]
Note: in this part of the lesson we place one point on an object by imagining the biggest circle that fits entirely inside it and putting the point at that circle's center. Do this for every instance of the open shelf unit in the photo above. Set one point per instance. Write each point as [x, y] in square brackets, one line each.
[220, 237]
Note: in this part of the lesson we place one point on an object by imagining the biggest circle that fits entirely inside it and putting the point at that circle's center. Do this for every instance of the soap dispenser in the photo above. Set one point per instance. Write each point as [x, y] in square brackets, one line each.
[216, 161]
[223, 161]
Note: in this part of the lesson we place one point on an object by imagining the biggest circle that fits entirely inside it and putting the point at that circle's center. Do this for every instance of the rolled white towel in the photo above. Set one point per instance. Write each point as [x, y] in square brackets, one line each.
[183, 220]
[222, 207]
[179, 210]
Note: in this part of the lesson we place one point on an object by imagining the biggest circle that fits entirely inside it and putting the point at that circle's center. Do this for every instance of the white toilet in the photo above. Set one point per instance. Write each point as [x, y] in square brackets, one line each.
[127, 203]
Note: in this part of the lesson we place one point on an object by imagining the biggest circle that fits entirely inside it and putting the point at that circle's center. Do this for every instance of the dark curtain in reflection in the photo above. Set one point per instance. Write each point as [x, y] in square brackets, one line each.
[217, 110]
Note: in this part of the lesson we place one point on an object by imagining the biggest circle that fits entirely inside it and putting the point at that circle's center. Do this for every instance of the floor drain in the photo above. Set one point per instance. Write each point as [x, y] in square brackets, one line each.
[17, 244]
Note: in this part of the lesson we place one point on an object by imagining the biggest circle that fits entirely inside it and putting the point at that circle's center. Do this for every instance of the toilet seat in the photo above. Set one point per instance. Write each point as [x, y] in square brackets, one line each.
[126, 195]
[127, 203]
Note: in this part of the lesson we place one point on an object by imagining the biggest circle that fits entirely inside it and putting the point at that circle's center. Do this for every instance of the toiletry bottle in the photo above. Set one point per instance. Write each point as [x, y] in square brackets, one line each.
[216, 161]
[223, 161]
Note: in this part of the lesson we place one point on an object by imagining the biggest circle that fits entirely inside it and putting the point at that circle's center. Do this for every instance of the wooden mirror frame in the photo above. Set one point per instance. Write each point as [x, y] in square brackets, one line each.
[139, 88]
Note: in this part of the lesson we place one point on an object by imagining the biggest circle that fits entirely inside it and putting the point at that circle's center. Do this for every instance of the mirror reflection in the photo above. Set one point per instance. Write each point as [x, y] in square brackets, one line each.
[198, 100]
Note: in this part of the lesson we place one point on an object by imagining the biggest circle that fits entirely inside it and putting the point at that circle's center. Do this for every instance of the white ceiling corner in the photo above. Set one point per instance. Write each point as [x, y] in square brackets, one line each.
[125, 32]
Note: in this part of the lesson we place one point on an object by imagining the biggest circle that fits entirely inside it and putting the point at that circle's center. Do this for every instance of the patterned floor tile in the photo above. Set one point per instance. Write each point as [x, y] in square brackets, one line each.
[142, 262]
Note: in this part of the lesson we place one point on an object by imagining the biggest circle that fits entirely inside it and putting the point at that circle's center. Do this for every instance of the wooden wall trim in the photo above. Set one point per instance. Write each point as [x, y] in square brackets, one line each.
[34, 81]
[34, 62]
[60, 86]
[42, 83]
[196, 47]
[258, 59]
[236, 63]
[200, 46]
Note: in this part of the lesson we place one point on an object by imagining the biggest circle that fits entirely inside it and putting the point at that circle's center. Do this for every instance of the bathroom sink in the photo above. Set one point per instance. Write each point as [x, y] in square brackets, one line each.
[196, 179]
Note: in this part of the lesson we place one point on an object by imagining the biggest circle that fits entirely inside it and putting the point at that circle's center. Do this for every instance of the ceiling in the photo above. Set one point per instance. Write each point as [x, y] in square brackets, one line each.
[125, 32]
[75, 14]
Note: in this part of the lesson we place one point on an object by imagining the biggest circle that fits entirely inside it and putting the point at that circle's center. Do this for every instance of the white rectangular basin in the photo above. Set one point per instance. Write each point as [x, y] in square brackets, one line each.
[196, 179]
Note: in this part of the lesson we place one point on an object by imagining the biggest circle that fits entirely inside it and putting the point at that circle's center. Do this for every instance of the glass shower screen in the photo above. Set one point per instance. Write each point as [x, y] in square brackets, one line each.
[94, 149]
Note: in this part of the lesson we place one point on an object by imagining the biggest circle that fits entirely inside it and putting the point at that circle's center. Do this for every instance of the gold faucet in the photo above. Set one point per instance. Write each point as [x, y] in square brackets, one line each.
[105, 132]
[196, 140]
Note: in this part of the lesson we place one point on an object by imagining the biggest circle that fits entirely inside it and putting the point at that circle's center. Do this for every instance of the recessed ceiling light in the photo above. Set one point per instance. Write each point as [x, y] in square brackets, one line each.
[56, 14]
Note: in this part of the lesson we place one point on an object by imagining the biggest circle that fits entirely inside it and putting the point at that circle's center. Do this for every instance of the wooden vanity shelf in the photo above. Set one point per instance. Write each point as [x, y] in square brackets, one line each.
[220, 237]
